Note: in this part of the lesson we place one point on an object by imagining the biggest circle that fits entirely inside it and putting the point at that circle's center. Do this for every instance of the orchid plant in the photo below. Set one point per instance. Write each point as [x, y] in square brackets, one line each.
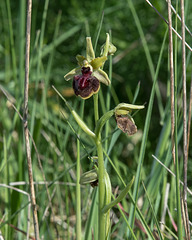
[86, 83]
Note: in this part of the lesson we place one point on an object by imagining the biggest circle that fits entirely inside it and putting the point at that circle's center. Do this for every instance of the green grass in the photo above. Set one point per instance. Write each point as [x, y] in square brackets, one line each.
[140, 74]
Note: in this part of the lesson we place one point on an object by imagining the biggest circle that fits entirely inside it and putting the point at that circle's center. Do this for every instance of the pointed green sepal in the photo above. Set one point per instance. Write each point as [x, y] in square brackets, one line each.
[80, 59]
[90, 54]
[128, 107]
[102, 76]
[72, 73]
[120, 197]
[96, 63]
[89, 177]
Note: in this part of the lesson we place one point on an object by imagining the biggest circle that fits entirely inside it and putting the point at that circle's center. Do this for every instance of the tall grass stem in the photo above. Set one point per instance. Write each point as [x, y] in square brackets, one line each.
[185, 153]
[174, 121]
[25, 121]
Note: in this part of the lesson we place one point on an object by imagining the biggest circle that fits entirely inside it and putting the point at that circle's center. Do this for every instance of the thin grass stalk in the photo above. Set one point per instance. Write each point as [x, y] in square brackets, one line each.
[148, 231]
[78, 186]
[145, 136]
[13, 54]
[153, 213]
[172, 80]
[147, 53]
[99, 24]
[189, 117]
[22, 17]
[108, 101]
[185, 153]
[25, 121]
[7, 194]
[167, 22]
[174, 121]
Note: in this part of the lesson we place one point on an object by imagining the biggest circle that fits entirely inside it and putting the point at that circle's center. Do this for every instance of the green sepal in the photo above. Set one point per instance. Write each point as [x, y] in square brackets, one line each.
[72, 73]
[128, 107]
[121, 112]
[102, 76]
[89, 177]
[80, 59]
[90, 54]
[96, 63]
[120, 197]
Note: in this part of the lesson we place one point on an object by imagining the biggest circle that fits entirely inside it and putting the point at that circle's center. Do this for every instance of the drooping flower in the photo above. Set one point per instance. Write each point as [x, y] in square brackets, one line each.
[124, 120]
[126, 124]
[87, 77]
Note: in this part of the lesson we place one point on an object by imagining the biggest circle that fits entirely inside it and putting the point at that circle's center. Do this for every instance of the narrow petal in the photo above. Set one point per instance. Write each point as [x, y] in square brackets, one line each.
[98, 62]
[72, 73]
[102, 76]
[90, 55]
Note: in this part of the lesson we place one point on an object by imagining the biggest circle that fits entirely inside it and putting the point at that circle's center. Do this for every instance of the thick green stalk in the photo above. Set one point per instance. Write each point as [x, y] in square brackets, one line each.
[78, 186]
[101, 171]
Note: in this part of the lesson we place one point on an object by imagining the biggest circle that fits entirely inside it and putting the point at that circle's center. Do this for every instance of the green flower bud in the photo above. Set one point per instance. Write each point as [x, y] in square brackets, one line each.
[128, 107]
[108, 48]
[89, 177]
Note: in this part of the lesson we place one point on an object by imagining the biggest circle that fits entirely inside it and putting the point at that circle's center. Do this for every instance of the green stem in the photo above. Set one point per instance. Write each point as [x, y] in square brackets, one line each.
[101, 171]
[78, 186]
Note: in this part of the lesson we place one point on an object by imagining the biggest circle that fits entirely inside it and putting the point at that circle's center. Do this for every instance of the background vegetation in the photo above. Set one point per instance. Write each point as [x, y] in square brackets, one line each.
[58, 33]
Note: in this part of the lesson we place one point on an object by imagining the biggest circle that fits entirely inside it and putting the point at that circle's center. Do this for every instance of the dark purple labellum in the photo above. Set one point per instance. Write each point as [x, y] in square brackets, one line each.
[85, 85]
[126, 124]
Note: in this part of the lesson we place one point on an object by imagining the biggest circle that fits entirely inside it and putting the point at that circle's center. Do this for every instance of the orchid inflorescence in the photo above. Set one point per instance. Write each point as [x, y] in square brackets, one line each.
[86, 82]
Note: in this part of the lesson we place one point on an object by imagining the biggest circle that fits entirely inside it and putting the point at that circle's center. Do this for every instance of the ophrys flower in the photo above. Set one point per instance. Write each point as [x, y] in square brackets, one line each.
[87, 77]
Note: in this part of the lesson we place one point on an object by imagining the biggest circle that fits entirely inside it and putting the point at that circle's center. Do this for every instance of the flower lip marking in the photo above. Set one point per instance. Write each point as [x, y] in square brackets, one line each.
[85, 85]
